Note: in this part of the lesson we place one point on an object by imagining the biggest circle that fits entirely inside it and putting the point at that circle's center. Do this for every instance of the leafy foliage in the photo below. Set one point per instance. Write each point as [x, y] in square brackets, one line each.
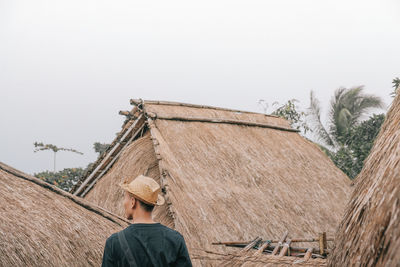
[396, 85]
[314, 115]
[64, 179]
[347, 108]
[290, 111]
[100, 147]
[40, 146]
[356, 145]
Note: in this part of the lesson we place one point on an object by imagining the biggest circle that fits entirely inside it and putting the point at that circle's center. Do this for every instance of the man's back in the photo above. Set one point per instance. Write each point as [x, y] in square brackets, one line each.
[149, 244]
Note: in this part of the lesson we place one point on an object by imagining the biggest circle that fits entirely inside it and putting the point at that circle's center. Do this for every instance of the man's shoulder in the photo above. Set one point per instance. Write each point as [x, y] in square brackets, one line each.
[112, 239]
[171, 232]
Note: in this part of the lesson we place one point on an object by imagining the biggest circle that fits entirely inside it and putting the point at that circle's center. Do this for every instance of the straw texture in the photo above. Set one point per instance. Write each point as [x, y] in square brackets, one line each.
[42, 225]
[227, 182]
[209, 258]
[369, 234]
[138, 159]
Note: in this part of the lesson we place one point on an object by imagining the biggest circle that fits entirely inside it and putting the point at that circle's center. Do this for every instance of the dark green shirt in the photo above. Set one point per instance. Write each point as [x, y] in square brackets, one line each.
[150, 245]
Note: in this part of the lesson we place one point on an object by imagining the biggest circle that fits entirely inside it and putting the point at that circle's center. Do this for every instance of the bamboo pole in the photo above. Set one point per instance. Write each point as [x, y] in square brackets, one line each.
[252, 244]
[295, 240]
[285, 248]
[262, 248]
[308, 254]
[322, 243]
[283, 238]
[293, 249]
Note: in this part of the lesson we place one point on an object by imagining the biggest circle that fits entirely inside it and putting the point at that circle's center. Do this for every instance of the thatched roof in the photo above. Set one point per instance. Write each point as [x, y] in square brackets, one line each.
[226, 174]
[42, 225]
[369, 234]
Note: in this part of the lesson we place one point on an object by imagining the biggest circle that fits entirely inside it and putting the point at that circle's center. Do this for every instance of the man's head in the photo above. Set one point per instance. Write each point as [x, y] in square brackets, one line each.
[133, 206]
[141, 195]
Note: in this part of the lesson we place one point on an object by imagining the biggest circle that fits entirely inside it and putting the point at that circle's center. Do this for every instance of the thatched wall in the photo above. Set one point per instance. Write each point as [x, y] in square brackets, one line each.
[44, 226]
[369, 234]
[138, 158]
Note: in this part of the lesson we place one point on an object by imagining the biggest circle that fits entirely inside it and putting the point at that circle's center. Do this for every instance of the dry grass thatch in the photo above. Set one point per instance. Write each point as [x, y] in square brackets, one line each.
[226, 175]
[42, 225]
[210, 258]
[369, 234]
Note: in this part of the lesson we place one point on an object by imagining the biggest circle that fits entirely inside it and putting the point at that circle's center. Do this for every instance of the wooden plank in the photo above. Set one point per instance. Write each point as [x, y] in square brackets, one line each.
[283, 238]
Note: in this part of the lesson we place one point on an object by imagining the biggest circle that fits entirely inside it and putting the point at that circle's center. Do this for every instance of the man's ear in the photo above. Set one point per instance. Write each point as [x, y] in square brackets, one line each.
[133, 202]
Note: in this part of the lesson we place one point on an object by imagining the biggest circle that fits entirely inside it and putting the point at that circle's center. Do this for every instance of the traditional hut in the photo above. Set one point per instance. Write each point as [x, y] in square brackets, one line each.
[369, 234]
[42, 225]
[226, 174]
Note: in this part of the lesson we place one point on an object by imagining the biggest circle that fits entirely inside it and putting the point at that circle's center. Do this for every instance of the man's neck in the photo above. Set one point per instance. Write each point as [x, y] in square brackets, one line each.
[143, 218]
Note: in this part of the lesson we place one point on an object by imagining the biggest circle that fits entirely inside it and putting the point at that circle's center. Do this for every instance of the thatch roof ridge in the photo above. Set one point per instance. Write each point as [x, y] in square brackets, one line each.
[223, 121]
[81, 202]
[173, 103]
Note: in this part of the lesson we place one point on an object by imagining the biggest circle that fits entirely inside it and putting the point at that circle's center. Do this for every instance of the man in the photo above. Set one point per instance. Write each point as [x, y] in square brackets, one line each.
[145, 242]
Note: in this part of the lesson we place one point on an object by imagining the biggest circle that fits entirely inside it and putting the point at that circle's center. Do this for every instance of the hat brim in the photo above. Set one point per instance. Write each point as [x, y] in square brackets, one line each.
[160, 199]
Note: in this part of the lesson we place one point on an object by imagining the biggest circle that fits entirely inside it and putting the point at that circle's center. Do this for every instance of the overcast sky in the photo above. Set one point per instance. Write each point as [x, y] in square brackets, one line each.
[68, 67]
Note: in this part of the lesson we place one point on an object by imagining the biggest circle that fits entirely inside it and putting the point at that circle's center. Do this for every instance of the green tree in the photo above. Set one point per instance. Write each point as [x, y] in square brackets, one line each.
[350, 156]
[347, 108]
[54, 148]
[100, 147]
[64, 179]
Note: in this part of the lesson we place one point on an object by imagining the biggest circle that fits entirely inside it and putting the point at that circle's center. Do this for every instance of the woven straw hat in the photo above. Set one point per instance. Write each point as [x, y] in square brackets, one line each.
[145, 189]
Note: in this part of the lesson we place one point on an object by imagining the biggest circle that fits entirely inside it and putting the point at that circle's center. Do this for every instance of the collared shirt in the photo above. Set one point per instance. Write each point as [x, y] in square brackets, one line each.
[150, 244]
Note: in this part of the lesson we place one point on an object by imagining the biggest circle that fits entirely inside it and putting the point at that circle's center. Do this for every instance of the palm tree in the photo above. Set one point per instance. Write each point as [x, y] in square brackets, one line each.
[347, 108]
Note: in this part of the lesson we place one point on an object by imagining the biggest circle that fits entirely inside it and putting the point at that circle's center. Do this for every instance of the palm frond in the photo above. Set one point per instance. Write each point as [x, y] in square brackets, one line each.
[314, 113]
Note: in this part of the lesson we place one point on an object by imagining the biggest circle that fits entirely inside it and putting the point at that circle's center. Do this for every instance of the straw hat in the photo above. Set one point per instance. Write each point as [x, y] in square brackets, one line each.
[145, 189]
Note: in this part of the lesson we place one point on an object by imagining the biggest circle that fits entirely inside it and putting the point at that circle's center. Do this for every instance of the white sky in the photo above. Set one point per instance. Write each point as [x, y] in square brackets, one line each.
[68, 67]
